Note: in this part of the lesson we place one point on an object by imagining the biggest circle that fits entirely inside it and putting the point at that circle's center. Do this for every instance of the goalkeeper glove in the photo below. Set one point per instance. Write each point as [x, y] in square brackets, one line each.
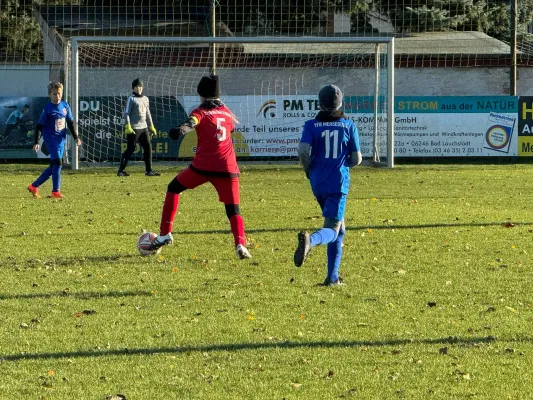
[152, 129]
[174, 133]
[128, 130]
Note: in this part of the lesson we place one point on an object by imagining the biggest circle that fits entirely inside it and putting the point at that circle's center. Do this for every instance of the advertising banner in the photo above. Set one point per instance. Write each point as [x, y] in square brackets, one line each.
[271, 126]
[101, 125]
[525, 126]
[453, 126]
[424, 126]
[18, 116]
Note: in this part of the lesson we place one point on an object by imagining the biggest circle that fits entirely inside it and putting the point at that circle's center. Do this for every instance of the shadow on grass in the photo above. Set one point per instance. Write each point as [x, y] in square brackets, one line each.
[365, 227]
[441, 225]
[77, 260]
[77, 295]
[296, 229]
[246, 346]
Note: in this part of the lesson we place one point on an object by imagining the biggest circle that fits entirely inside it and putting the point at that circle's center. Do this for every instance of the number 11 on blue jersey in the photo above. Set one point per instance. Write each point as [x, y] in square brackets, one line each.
[327, 135]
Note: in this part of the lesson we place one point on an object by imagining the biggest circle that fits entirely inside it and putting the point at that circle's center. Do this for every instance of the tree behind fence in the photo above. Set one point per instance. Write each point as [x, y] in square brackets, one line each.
[27, 28]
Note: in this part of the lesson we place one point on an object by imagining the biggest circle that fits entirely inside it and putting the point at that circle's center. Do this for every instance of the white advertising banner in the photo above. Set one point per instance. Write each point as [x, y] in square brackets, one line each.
[440, 126]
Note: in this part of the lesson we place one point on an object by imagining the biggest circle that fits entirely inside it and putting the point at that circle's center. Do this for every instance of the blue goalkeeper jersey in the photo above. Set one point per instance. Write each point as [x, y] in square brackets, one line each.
[331, 142]
[14, 117]
[53, 120]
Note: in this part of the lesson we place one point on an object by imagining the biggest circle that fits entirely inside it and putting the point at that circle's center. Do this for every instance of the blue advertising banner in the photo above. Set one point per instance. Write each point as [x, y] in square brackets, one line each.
[101, 125]
[18, 116]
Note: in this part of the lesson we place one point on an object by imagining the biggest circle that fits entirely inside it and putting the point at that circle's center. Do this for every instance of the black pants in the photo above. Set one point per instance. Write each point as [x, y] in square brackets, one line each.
[20, 126]
[141, 136]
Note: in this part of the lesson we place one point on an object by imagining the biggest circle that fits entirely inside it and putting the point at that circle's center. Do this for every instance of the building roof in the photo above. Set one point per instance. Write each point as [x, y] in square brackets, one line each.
[433, 49]
[122, 20]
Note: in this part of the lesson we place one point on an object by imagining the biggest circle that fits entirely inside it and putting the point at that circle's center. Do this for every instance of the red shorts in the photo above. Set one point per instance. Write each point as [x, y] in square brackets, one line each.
[226, 187]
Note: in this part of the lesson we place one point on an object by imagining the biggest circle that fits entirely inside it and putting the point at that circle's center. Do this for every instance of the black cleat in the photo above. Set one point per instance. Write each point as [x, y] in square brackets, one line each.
[152, 173]
[122, 173]
[329, 282]
[303, 248]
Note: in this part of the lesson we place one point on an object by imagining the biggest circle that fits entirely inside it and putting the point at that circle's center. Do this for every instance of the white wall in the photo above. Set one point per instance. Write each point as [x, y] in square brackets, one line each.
[24, 81]
[32, 81]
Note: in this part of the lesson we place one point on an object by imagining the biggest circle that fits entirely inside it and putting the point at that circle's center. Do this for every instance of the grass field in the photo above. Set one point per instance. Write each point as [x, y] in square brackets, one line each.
[437, 302]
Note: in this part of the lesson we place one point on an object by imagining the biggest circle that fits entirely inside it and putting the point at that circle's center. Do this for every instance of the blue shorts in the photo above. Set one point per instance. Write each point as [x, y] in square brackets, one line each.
[333, 205]
[55, 145]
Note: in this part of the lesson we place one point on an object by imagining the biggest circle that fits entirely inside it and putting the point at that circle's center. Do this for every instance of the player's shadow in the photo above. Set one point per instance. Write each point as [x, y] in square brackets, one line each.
[385, 225]
[76, 295]
[251, 346]
[365, 227]
[81, 260]
[439, 225]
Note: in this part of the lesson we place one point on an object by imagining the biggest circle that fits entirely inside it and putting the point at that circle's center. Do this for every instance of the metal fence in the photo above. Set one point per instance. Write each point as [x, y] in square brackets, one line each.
[433, 34]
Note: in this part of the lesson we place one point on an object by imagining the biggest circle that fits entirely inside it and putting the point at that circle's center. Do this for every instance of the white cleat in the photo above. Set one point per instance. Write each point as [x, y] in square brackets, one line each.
[242, 252]
[161, 241]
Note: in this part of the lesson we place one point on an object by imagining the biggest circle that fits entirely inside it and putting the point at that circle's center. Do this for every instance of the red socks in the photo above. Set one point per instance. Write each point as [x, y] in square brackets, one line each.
[169, 212]
[237, 228]
[171, 207]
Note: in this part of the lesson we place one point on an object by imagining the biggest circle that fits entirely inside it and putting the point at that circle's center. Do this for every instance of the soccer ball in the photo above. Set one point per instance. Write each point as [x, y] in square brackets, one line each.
[144, 242]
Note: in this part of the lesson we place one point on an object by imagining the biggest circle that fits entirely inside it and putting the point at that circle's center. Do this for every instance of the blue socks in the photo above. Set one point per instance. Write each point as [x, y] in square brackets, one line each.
[52, 171]
[47, 173]
[323, 236]
[334, 256]
[334, 241]
[56, 178]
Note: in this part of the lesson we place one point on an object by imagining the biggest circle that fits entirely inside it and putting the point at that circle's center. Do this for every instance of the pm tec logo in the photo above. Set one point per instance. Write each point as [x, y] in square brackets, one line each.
[268, 109]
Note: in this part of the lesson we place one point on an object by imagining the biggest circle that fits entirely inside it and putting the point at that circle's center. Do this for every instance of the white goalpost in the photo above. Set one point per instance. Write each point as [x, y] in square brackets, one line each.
[271, 84]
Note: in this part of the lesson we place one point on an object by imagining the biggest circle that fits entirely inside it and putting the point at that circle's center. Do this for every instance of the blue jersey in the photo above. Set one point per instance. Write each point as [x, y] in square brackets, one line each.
[331, 142]
[14, 117]
[53, 120]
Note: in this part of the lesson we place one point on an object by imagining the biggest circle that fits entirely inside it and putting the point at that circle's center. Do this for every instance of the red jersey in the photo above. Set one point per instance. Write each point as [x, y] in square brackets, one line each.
[214, 152]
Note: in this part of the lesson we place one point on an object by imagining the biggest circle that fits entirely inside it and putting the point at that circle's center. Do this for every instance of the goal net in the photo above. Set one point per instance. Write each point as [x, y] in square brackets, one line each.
[270, 84]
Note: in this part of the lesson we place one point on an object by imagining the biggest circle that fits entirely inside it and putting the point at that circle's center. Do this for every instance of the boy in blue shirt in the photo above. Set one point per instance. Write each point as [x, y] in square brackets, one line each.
[328, 149]
[53, 123]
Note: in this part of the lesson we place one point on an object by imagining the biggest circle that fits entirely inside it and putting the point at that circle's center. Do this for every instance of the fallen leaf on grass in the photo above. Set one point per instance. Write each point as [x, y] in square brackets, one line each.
[509, 350]
[116, 397]
[508, 225]
[85, 312]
